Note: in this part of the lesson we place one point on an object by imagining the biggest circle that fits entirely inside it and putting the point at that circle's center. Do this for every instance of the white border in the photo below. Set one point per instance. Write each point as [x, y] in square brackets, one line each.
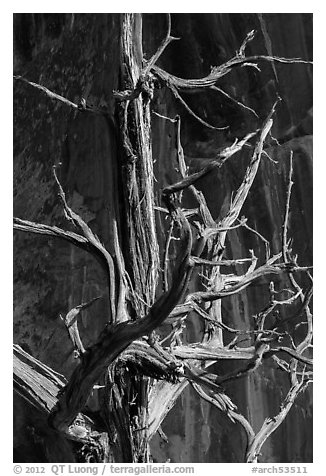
[319, 186]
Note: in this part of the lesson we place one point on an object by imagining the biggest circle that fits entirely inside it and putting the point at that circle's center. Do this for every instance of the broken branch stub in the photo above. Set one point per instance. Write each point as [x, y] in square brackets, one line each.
[133, 271]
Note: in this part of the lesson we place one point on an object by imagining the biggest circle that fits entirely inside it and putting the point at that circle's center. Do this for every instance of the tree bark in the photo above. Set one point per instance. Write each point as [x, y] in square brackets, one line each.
[131, 375]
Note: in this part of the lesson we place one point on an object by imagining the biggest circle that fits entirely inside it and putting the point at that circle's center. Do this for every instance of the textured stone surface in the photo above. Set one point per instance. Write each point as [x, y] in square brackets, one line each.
[77, 55]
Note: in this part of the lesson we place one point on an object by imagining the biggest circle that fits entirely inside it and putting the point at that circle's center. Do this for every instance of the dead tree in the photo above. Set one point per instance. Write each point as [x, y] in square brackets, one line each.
[137, 371]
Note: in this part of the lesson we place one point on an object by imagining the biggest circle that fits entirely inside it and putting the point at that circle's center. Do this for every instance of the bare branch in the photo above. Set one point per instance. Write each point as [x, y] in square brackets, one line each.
[192, 113]
[287, 210]
[217, 281]
[242, 282]
[40, 386]
[164, 117]
[217, 163]
[53, 231]
[87, 240]
[70, 321]
[82, 106]
[49, 93]
[217, 230]
[119, 347]
[250, 434]
[94, 242]
[294, 354]
[249, 37]
[165, 42]
[219, 400]
[303, 306]
[254, 363]
[250, 174]
[218, 72]
[207, 352]
[116, 338]
[239, 103]
[225, 262]
[217, 397]
[271, 424]
[266, 242]
[34, 381]
[165, 283]
[199, 197]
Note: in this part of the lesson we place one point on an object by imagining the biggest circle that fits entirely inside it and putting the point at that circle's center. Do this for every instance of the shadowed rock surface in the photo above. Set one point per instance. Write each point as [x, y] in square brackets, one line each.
[78, 56]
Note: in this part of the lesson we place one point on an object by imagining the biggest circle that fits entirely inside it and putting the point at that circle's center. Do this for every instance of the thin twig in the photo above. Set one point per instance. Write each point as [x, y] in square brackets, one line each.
[250, 174]
[165, 42]
[239, 103]
[235, 284]
[192, 113]
[249, 37]
[239, 332]
[226, 262]
[94, 242]
[49, 93]
[287, 211]
[164, 117]
[81, 106]
[218, 71]
[166, 257]
[70, 321]
[266, 242]
[217, 163]
[271, 424]
[199, 197]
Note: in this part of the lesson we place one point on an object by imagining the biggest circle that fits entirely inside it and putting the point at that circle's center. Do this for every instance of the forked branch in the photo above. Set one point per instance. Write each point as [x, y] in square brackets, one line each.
[71, 324]
[165, 42]
[271, 424]
[86, 240]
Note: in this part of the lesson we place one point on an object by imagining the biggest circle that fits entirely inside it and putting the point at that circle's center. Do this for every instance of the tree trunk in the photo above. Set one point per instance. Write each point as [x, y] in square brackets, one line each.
[113, 167]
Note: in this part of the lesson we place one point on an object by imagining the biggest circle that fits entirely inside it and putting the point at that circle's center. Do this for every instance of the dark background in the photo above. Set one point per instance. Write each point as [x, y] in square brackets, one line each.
[78, 55]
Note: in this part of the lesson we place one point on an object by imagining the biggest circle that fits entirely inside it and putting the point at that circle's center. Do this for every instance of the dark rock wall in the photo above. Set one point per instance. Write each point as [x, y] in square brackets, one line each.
[78, 55]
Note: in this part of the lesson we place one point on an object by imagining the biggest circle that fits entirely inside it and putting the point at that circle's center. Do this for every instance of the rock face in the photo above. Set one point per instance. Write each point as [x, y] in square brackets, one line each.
[77, 55]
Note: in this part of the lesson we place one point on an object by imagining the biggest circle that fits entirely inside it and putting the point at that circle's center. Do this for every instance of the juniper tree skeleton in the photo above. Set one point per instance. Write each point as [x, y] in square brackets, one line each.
[130, 354]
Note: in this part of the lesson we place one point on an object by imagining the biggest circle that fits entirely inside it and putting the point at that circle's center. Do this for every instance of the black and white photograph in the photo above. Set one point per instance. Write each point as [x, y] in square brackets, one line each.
[163, 239]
